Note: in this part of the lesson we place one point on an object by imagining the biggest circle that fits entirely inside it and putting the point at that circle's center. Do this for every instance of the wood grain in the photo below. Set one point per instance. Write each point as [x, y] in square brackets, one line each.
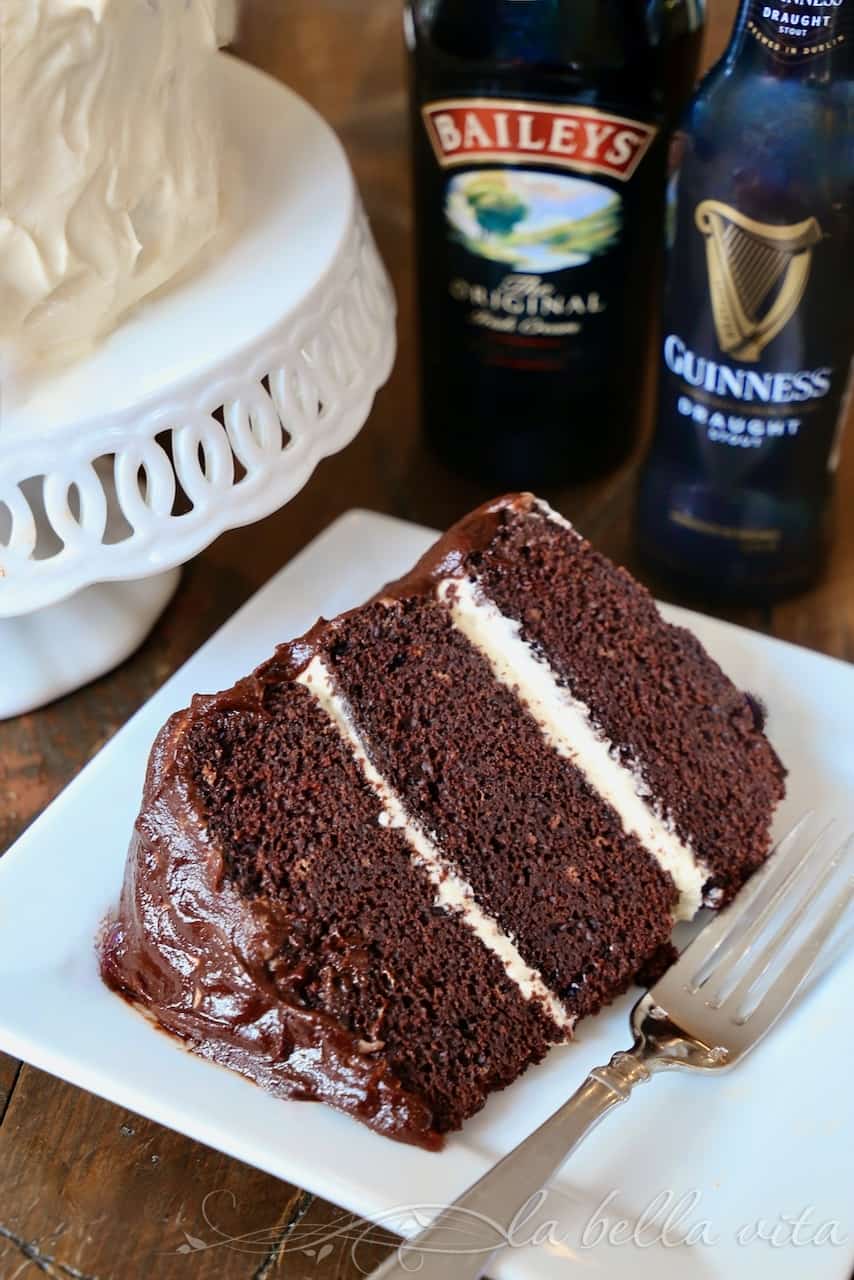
[87, 1190]
[91, 1190]
[9, 1069]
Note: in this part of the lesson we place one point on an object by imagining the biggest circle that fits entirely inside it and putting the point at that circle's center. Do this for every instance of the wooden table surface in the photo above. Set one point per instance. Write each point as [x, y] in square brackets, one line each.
[86, 1189]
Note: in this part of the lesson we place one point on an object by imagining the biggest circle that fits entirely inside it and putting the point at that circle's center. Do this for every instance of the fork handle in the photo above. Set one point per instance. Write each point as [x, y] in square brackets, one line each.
[459, 1243]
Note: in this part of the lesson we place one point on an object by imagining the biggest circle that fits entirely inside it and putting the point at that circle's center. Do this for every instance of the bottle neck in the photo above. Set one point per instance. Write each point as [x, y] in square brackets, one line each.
[808, 40]
[597, 33]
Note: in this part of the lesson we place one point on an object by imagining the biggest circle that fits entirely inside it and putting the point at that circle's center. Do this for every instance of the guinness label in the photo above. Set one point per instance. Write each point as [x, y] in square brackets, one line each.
[467, 130]
[757, 275]
[797, 30]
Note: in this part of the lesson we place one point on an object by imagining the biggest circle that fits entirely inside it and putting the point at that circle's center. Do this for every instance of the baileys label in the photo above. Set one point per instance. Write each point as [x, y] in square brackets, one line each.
[466, 130]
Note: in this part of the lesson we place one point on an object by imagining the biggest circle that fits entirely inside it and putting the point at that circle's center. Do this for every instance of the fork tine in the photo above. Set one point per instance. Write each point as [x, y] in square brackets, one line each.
[785, 866]
[718, 936]
[793, 900]
[786, 986]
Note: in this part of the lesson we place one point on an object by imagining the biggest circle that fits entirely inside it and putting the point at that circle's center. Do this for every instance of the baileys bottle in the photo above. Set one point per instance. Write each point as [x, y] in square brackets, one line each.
[539, 150]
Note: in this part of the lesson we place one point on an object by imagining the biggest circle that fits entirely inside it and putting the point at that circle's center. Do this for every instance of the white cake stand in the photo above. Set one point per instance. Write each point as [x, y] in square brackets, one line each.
[209, 408]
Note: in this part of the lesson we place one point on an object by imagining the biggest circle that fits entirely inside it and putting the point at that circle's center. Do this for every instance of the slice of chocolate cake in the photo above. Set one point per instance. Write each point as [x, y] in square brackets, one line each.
[396, 863]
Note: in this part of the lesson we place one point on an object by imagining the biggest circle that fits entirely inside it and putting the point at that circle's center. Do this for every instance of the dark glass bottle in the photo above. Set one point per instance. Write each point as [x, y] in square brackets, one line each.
[759, 311]
[539, 159]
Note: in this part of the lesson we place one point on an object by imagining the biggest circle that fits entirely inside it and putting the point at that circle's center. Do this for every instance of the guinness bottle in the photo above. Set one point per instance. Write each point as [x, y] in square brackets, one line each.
[758, 316]
[539, 176]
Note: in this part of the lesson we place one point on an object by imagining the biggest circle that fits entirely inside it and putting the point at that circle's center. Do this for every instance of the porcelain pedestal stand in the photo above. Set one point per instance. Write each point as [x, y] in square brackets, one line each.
[207, 409]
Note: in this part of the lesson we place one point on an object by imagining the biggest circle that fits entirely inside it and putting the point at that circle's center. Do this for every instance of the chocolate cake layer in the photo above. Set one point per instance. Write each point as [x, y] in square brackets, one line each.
[656, 695]
[585, 902]
[354, 946]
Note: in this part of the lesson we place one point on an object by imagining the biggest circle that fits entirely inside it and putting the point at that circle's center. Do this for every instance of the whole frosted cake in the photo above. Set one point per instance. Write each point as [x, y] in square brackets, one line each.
[406, 855]
[111, 148]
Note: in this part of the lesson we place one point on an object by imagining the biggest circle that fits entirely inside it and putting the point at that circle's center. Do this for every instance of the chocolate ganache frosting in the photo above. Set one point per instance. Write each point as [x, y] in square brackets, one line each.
[200, 957]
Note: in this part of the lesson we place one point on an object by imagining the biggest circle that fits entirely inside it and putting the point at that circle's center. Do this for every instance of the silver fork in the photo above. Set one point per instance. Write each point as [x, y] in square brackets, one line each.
[710, 1009]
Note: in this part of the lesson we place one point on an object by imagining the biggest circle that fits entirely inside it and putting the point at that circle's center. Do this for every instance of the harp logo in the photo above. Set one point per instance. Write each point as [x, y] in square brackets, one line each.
[757, 275]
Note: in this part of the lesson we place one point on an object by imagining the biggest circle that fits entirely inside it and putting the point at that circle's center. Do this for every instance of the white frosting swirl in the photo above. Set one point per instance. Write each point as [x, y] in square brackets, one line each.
[110, 144]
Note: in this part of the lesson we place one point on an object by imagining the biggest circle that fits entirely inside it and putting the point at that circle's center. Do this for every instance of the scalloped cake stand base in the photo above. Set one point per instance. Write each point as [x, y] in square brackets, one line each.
[108, 622]
[209, 408]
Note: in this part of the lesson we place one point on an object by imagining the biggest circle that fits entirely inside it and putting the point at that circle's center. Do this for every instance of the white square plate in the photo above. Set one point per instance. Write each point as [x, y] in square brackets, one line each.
[747, 1154]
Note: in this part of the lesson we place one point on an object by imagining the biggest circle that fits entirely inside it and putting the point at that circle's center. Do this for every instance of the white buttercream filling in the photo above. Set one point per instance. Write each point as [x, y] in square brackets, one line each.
[556, 518]
[453, 893]
[568, 726]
